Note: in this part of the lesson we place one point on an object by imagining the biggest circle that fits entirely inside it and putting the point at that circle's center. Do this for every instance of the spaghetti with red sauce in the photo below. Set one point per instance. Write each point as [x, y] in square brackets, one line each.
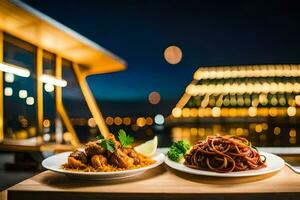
[224, 154]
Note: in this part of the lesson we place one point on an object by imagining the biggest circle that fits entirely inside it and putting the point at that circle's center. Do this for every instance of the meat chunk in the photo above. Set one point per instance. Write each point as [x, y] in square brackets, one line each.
[77, 159]
[79, 155]
[120, 159]
[132, 154]
[98, 161]
[93, 148]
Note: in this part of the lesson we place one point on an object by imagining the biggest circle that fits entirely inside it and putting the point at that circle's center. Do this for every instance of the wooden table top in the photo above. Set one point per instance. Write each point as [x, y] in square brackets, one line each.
[159, 183]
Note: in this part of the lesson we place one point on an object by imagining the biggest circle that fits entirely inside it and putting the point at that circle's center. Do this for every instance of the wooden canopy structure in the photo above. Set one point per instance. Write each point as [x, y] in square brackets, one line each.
[27, 24]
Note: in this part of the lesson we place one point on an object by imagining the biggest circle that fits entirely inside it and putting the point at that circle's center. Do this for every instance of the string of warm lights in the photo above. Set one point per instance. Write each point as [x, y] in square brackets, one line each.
[158, 119]
[194, 133]
[236, 112]
[247, 71]
[244, 87]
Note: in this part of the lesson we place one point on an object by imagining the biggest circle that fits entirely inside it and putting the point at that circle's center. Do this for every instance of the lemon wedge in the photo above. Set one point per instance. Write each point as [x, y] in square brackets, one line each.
[148, 148]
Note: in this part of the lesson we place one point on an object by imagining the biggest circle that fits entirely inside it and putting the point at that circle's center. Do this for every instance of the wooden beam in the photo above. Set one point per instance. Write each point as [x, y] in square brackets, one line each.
[91, 102]
[1, 90]
[39, 90]
[59, 105]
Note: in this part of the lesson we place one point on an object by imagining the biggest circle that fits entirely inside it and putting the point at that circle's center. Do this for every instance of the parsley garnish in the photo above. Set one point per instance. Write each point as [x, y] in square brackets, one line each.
[108, 144]
[99, 137]
[124, 139]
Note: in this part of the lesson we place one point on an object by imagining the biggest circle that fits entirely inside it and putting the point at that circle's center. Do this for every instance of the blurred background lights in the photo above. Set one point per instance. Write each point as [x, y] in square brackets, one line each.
[23, 94]
[126, 121]
[46, 137]
[154, 97]
[252, 111]
[118, 121]
[46, 123]
[176, 112]
[30, 101]
[291, 111]
[49, 87]
[159, 119]
[173, 55]
[149, 121]
[216, 112]
[8, 91]
[141, 121]
[92, 122]
[109, 121]
[9, 78]
[277, 130]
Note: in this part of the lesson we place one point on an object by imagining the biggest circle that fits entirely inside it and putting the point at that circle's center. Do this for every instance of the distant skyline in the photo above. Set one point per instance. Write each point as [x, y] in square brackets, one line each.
[208, 32]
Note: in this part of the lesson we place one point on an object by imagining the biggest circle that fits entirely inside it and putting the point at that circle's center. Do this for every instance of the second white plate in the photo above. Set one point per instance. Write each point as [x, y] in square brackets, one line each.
[274, 163]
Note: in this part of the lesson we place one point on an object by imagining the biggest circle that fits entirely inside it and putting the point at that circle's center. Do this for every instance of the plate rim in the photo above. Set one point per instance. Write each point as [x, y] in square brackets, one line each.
[188, 170]
[158, 162]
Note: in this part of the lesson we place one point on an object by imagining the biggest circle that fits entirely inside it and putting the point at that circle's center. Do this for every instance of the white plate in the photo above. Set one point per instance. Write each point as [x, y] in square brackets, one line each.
[274, 163]
[55, 162]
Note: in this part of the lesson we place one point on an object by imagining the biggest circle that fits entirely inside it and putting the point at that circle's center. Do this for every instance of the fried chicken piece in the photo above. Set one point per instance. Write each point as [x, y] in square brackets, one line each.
[77, 159]
[120, 159]
[79, 155]
[98, 161]
[93, 148]
[132, 154]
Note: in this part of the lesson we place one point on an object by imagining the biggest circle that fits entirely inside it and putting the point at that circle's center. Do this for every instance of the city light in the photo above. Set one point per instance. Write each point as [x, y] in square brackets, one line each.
[109, 121]
[118, 121]
[149, 121]
[19, 71]
[252, 111]
[92, 123]
[159, 119]
[126, 121]
[23, 94]
[46, 123]
[243, 88]
[227, 72]
[216, 112]
[49, 87]
[9, 78]
[291, 111]
[277, 130]
[173, 55]
[46, 137]
[176, 112]
[53, 80]
[8, 91]
[154, 98]
[29, 101]
[141, 121]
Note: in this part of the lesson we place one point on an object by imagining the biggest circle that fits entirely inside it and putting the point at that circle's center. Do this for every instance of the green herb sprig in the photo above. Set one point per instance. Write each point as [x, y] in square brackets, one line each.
[124, 139]
[107, 144]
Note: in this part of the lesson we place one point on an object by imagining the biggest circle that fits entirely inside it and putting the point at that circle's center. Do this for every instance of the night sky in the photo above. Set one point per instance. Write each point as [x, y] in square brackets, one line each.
[208, 32]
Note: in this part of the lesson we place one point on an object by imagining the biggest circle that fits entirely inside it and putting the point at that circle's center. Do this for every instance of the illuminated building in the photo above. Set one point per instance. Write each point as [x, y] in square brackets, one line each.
[243, 91]
[41, 61]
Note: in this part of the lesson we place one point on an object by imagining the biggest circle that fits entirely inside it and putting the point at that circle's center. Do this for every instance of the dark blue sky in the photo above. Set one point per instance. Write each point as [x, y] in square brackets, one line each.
[208, 32]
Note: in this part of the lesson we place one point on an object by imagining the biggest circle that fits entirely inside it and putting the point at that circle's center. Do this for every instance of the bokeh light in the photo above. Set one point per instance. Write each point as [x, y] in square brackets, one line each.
[30, 101]
[8, 91]
[92, 123]
[154, 97]
[23, 94]
[159, 119]
[49, 87]
[141, 121]
[173, 55]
